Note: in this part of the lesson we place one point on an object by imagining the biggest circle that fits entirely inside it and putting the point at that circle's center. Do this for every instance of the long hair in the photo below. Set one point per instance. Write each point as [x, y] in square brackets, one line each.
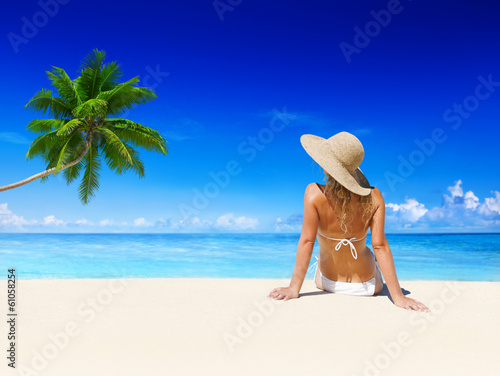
[339, 198]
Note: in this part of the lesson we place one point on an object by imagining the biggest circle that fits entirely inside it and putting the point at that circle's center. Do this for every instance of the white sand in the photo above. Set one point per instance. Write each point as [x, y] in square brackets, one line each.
[230, 327]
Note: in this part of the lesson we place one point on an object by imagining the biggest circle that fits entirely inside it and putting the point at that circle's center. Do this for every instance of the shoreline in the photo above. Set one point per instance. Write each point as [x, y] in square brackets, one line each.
[192, 326]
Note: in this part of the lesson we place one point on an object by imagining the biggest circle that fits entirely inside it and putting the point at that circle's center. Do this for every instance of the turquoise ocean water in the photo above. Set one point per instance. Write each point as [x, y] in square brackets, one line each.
[468, 257]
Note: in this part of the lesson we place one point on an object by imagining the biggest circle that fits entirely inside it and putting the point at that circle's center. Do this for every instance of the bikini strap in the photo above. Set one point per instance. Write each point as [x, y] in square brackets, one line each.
[346, 241]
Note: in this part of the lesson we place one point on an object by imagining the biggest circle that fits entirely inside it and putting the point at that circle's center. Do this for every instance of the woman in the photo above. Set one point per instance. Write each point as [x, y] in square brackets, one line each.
[339, 215]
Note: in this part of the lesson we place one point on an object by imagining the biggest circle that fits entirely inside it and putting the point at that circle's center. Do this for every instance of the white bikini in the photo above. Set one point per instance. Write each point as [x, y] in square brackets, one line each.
[350, 288]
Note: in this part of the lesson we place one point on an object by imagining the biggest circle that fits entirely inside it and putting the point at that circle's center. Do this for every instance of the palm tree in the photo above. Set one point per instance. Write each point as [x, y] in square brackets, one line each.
[82, 132]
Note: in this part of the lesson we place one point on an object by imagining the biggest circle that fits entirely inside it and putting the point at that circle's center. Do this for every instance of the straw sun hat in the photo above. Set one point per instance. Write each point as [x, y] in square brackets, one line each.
[340, 156]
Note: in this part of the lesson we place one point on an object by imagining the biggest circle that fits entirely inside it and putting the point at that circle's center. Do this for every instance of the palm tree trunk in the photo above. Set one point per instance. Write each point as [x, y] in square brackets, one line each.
[49, 171]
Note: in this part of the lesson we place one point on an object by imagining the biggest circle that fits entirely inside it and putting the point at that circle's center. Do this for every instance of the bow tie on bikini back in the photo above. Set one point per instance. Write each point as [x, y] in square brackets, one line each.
[346, 241]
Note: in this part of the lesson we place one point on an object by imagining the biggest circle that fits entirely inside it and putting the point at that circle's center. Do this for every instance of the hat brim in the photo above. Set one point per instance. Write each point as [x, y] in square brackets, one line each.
[319, 150]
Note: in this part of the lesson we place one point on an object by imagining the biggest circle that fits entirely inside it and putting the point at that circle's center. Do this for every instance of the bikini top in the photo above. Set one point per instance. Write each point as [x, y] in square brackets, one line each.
[346, 241]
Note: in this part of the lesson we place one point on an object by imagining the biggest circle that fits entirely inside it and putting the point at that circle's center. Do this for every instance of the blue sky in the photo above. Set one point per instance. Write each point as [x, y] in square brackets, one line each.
[418, 82]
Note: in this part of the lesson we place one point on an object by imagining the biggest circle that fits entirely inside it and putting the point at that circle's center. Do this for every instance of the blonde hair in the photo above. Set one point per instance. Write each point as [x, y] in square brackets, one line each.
[339, 198]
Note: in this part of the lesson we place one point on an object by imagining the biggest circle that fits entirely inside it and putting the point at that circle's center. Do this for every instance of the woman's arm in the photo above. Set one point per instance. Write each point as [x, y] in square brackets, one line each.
[384, 257]
[304, 249]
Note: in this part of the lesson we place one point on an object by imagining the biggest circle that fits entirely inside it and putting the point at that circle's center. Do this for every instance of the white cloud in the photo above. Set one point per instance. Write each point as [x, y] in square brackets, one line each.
[84, 222]
[462, 208]
[229, 222]
[192, 223]
[141, 222]
[106, 222]
[436, 214]
[291, 224]
[51, 220]
[456, 190]
[7, 218]
[491, 205]
[111, 223]
[411, 211]
[459, 211]
[10, 221]
[471, 201]
[457, 198]
[163, 223]
[224, 222]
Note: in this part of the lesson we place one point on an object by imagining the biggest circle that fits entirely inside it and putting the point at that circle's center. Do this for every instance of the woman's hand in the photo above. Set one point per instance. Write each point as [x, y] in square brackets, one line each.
[411, 304]
[285, 293]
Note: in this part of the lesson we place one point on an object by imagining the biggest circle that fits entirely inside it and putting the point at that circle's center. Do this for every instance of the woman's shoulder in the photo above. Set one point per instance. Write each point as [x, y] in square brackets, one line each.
[377, 197]
[314, 191]
[314, 188]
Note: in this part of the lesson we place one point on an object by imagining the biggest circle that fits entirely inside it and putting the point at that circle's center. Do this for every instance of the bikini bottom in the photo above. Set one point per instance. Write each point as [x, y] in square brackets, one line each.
[366, 288]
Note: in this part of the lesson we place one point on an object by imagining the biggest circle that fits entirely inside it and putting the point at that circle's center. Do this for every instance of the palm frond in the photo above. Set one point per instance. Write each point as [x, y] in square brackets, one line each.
[138, 135]
[50, 157]
[111, 73]
[89, 83]
[90, 181]
[48, 147]
[70, 126]
[44, 125]
[126, 96]
[66, 88]
[70, 174]
[44, 101]
[131, 159]
[41, 145]
[114, 159]
[67, 151]
[93, 108]
[115, 141]
[76, 142]
[137, 165]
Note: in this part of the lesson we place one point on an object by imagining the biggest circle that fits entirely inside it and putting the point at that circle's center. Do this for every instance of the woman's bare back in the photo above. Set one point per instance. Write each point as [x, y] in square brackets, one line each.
[341, 265]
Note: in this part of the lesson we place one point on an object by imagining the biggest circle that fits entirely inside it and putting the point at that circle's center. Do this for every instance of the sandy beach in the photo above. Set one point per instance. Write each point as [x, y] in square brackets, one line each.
[229, 326]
